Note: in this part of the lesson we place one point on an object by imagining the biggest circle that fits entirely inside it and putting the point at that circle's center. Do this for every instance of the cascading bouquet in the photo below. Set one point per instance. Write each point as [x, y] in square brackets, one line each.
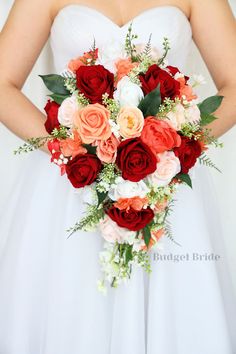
[127, 124]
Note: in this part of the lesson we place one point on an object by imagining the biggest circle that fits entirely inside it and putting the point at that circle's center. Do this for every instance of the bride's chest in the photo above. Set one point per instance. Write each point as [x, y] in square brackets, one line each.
[76, 27]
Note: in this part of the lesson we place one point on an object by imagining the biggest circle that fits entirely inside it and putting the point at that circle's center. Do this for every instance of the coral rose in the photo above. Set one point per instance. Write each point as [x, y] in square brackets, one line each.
[131, 121]
[92, 123]
[107, 149]
[136, 203]
[124, 66]
[159, 135]
[72, 146]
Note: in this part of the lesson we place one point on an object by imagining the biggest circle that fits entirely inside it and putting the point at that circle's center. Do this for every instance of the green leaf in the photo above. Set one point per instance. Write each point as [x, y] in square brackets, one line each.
[211, 104]
[207, 118]
[150, 104]
[91, 149]
[55, 83]
[184, 177]
[128, 254]
[58, 98]
[101, 197]
[147, 235]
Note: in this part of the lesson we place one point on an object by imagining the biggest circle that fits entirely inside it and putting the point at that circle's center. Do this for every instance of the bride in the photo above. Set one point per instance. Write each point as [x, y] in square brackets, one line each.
[49, 303]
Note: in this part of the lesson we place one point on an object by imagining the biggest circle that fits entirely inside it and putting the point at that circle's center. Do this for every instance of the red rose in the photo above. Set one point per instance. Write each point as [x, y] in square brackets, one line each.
[93, 81]
[82, 170]
[169, 87]
[159, 135]
[188, 152]
[51, 109]
[133, 220]
[135, 159]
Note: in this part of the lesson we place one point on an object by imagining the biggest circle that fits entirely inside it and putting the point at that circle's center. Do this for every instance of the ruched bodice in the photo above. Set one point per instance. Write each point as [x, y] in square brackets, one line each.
[76, 26]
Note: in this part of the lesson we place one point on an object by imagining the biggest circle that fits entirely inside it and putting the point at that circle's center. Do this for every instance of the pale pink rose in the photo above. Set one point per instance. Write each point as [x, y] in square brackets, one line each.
[111, 232]
[176, 117]
[92, 123]
[130, 121]
[67, 111]
[107, 149]
[167, 168]
[193, 114]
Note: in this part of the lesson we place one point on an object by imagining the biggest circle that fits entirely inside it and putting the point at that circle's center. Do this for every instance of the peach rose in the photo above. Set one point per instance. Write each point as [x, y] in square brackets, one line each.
[167, 168]
[92, 123]
[135, 203]
[107, 149]
[124, 66]
[111, 232]
[131, 122]
[72, 146]
[176, 117]
[160, 206]
[159, 135]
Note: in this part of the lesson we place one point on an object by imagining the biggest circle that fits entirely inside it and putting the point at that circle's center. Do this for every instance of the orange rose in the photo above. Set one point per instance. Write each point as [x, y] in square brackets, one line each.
[159, 135]
[124, 66]
[135, 203]
[92, 123]
[74, 64]
[186, 90]
[72, 146]
[85, 59]
[107, 149]
[155, 236]
[130, 121]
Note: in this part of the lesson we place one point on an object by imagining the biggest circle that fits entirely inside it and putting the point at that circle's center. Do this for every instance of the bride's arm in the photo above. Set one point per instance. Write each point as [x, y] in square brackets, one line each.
[214, 32]
[21, 41]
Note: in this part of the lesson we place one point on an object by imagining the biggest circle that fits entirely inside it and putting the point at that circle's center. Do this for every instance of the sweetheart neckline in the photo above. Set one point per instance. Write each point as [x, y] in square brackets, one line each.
[101, 14]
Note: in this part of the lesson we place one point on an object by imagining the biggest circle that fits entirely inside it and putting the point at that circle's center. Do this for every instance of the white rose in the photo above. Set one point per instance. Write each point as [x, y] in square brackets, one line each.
[109, 53]
[193, 114]
[128, 93]
[67, 110]
[167, 168]
[176, 117]
[111, 232]
[127, 189]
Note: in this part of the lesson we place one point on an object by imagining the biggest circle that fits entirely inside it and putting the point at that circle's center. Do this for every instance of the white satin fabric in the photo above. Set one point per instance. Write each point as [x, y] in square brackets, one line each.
[49, 303]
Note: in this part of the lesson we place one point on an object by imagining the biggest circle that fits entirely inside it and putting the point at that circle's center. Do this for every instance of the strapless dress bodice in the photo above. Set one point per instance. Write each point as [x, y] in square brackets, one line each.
[76, 26]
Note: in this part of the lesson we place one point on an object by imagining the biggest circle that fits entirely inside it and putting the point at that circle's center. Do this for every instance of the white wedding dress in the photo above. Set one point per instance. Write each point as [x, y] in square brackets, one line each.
[49, 302]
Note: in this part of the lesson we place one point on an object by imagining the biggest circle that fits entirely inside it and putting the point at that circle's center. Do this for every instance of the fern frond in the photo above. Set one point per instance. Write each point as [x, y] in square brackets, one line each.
[206, 161]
